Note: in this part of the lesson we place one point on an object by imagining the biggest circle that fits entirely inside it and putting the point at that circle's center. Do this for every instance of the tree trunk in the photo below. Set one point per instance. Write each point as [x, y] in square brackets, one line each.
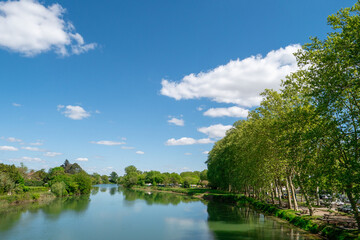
[288, 194]
[353, 205]
[279, 192]
[272, 194]
[229, 187]
[317, 197]
[308, 203]
[293, 191]
[276, 190]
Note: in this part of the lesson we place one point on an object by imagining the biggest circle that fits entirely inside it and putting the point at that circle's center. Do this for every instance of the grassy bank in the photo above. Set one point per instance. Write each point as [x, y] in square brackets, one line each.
[34, 194]
[305, 222]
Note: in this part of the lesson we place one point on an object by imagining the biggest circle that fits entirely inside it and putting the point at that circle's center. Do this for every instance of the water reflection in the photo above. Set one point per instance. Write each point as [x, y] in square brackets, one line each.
[60, 206]
[116, 211]
[155, 197]
[242, 222]
[51, 211]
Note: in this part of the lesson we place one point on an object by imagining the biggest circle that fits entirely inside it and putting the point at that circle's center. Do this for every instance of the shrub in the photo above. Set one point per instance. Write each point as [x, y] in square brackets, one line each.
[59, 189]
[35, 196]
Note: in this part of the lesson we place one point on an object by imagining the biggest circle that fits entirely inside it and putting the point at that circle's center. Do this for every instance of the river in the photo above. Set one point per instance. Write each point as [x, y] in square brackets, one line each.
[112, 212]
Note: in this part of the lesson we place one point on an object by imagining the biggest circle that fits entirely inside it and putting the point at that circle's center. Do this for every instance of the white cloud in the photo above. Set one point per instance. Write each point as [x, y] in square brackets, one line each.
[52, 154]
[176, 121]
[108, 143]
[239, 81]
[8, 148]
[215, 131]
[36, 144]
[12, 139]
[140, 152]
[16, 104]
[187, 141]
[33, 149]
[126, 147]
[26, 159]
[188, 154]
[74, 112]
[205, 152]
[82, 159]
[30, 28]
[227, 112]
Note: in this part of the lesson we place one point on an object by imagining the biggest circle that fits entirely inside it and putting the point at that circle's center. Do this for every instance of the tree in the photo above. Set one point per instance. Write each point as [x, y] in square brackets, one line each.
[83, 181]
[6, 183]
[105, 179]
[113, 177]
[333, 72]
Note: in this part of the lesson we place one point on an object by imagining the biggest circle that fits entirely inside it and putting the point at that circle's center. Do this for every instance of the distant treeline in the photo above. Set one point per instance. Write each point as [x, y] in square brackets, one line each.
[133, 177]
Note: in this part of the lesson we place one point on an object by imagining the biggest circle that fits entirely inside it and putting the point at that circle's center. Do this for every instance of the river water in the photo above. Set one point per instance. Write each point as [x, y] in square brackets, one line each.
[112, 212]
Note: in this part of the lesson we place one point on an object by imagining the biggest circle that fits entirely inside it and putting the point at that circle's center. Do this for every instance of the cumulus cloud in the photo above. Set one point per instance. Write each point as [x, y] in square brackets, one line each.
[227, 112]
[187, 141]
[82, 159]
[52, 154]
[26, 159]
[36, 144]
[239, 81]
[108, 143]
[16, 104]
[12, 139]
[140, 152]
[176, 121]
[33, 149]
[30, 28]
[8, 148]
[205, 152]
[73, 112]
[215, 131]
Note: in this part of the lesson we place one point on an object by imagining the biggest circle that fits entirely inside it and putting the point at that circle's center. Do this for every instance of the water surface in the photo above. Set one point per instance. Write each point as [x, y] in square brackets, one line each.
[112, 212]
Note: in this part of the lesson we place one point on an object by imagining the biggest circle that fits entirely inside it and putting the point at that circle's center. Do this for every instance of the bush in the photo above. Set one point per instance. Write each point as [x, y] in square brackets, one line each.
[6, 184]
[35, 196]
[34, 183]
[59, 189]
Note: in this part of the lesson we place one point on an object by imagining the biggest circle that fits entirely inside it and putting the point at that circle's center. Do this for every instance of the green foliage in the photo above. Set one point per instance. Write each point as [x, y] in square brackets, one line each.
[113, 177]
[105, 179]
[58, 188]
[186, 183]
[308, 132]
[83, 182]
[6, 183]
[135, 177]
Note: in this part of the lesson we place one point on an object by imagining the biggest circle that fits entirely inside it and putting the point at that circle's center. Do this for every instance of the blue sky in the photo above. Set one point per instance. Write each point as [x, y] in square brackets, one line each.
[145, 83]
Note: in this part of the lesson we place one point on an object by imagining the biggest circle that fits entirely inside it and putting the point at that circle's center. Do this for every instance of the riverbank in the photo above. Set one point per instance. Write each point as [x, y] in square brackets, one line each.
[312, 224]
[40, 195]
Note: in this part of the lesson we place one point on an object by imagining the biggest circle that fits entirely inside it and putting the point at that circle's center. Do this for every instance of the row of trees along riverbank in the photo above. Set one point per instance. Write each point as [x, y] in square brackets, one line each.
[66, 180]
[305, 136]
[135, 177]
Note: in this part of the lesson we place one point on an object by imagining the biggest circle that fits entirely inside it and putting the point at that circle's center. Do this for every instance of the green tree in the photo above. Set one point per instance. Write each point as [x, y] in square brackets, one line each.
[113, 177]
[83, 182]
[332, 70]
[105, 179]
